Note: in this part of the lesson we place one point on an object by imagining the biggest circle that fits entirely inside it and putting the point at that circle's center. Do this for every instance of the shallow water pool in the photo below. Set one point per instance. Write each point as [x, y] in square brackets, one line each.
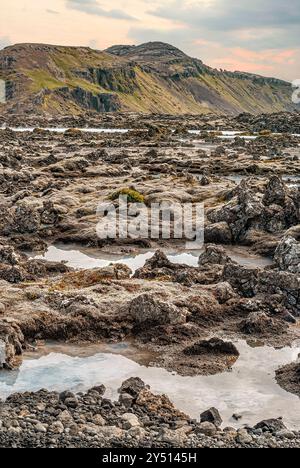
[84, 258]
[249, 389]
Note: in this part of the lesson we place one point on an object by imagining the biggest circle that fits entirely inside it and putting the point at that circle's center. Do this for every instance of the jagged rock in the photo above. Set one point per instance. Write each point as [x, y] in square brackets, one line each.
[275, 192]
[126, 400]
[244, 280]
[146, 310]
[86, 278]
[288, 377]
[212, 416]
[214, 255]
[159, 260]
[158, 405]
[248, 209]
[132, 386]
[160, 267]
[287, 255]
[283, 283]
[49, 214]
[26, 217]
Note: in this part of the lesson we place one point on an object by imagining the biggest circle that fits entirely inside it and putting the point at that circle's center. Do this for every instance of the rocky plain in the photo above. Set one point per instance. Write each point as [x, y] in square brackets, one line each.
[246, 286]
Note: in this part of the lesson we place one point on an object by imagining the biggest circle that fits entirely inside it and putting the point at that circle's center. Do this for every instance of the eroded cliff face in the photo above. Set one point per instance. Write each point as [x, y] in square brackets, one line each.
[102, 102]
[151, 78]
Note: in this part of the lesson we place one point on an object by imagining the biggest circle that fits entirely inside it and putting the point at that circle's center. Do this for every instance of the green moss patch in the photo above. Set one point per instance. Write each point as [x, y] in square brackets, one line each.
[132, 195]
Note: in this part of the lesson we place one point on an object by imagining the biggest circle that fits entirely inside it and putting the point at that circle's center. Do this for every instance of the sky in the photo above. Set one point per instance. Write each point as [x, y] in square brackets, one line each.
[257, 36]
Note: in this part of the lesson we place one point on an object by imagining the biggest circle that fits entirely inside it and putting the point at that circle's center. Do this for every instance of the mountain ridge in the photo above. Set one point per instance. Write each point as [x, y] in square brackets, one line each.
[154, 77]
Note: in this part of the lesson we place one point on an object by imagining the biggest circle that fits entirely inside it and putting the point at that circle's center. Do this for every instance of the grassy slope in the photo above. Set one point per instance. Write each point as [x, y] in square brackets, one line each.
[58, 67]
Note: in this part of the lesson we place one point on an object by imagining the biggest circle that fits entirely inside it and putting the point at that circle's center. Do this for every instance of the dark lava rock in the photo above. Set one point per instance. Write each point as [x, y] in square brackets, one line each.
[271, 425]
[275, 192]
[212, 416]
[244, 280]
[132, 386]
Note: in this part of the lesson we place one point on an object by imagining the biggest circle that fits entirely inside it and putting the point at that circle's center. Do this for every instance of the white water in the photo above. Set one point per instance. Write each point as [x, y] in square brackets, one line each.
[249, 389]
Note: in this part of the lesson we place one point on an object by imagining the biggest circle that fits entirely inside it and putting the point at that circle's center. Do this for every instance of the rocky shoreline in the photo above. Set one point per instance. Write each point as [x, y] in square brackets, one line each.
[188, 317]
[138, 419]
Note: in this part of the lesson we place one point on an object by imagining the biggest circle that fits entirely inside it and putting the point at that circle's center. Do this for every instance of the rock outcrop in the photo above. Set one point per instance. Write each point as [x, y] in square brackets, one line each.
[287, 255]
[147, 311]
[11, 344]
[273, 211]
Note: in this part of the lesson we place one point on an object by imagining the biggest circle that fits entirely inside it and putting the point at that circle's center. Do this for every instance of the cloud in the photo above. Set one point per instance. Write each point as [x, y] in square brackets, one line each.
[92, 7]
[236, 56]
[4, 41]
[258, 24]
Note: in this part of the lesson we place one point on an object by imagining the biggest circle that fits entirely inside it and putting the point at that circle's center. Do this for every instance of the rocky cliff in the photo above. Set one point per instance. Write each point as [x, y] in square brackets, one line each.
[150, 78]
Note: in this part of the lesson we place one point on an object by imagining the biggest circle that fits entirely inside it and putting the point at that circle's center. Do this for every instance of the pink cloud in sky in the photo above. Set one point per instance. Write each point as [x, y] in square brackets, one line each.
[256, 62]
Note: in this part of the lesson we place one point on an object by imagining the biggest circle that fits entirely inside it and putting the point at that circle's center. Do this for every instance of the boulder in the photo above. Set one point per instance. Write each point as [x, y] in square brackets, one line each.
[272, 210]
[206, 428]
[130, 420]
[211, 416]
[271, 425]
[132, 386]
[146, 310]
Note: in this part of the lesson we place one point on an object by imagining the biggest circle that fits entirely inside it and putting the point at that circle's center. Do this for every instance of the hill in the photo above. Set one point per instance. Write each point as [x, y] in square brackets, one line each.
[150, 78]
